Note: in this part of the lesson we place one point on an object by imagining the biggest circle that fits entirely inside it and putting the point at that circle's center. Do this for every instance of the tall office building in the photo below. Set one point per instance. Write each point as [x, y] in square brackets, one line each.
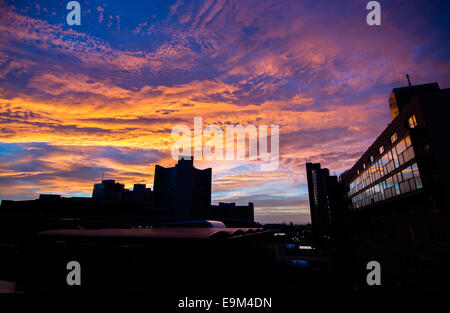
[184, 189]
[398, 199]
[320, 215]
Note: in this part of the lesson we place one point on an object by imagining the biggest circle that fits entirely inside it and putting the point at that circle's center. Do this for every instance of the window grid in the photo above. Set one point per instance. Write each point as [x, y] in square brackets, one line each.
[391, 159]
[400, 183]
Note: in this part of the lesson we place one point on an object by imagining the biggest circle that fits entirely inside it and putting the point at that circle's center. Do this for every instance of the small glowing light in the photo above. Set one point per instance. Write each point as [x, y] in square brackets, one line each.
[300, 263]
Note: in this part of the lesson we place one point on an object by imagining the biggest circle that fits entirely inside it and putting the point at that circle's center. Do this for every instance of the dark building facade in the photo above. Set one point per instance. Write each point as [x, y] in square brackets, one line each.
[20, 219]
[230, 212]
[140, 194]
[320, 215]
[108, 190]
[397, 195]
[183, 189]
[112, 190]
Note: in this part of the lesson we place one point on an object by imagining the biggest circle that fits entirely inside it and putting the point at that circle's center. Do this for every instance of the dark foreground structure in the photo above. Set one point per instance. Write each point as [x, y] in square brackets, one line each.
[395, 199]
[169, 263]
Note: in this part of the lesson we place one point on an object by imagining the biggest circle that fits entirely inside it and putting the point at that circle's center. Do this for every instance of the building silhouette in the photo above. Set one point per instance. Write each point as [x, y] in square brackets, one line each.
[108, 190]
[140, 194]
[112, 190]
[184, 189]
[395, 198]
[231, 212]
[320, 215]
[181, 193]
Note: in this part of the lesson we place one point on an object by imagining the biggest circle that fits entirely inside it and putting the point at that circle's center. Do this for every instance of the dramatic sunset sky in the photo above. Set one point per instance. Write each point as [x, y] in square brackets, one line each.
[80, 101]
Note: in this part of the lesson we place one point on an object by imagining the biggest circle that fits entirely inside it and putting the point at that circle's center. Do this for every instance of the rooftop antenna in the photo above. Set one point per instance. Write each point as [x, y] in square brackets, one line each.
[409, 81]
[103, 174]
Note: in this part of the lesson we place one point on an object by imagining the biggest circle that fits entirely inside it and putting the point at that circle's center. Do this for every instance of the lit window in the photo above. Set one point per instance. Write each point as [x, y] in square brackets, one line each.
[371, 158]
[381, 149]
[394, 137]
[364, 165]
[412, 122]
[408, 141]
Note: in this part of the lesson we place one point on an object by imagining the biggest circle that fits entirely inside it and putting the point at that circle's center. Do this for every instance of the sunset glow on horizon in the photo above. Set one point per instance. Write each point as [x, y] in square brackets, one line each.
[80, 102]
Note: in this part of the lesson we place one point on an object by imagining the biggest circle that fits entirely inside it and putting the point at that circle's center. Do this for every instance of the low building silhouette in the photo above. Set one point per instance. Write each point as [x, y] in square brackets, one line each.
[108, 190]
[181, 193]
[112, 190]
[49, 197]
[140, 194]
[231, 212]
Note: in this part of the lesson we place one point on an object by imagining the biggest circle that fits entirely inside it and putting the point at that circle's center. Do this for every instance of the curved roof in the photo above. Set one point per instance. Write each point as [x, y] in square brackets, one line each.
[188, 233]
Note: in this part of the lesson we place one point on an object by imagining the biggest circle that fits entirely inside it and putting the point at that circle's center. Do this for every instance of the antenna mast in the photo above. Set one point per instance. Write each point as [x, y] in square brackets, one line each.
[409, 81]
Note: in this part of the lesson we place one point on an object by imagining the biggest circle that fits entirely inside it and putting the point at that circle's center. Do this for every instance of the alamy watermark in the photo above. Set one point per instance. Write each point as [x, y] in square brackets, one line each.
[74, 16]
[373, 17]
[73, 277]
[214, 148]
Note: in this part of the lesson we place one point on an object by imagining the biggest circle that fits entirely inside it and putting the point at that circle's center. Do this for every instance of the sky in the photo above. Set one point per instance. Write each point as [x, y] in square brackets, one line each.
[101, 99]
